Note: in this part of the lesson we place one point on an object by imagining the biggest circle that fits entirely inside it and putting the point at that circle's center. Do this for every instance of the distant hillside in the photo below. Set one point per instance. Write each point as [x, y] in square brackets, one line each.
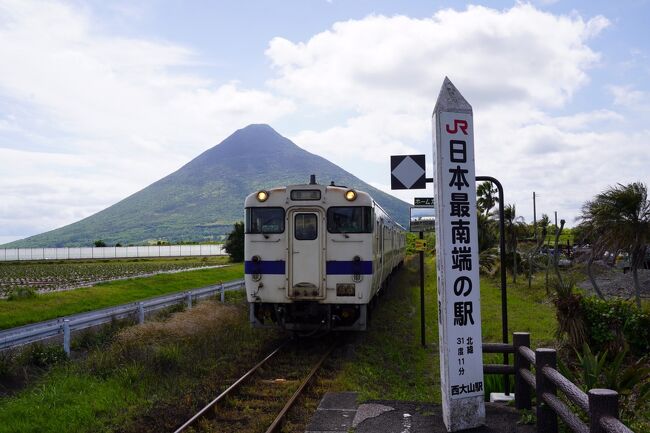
[202, 199]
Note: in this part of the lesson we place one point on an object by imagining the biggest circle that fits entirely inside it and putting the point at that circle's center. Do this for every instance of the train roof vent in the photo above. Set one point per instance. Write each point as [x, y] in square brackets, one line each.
[312, 179]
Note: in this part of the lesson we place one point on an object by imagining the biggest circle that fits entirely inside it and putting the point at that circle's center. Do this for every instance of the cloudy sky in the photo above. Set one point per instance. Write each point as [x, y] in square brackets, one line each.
[100, 99]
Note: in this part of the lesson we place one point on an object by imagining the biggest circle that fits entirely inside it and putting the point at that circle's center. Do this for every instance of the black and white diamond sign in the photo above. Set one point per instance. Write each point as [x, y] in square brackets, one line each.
[407, 172]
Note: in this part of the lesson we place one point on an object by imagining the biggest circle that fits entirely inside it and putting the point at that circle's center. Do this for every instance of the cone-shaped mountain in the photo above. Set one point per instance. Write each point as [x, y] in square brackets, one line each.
[202, 199]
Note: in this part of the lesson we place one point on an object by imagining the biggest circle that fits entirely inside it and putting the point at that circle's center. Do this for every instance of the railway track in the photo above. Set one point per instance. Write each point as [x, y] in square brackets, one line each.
[260, 400]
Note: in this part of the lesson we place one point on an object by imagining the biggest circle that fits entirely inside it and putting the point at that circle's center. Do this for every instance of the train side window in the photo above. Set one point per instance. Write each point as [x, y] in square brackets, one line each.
[305, 226]
[264, 220]
[349, 219]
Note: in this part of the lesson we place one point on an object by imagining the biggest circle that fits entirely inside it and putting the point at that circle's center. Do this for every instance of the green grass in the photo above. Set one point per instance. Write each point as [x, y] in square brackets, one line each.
[148, 378]
[58, 304]
[528, 310]
[152, 379]
[565, 236]
[390, 363]
[71, 401]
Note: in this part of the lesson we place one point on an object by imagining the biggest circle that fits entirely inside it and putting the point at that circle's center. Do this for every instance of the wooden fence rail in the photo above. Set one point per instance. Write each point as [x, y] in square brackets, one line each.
[600, 405]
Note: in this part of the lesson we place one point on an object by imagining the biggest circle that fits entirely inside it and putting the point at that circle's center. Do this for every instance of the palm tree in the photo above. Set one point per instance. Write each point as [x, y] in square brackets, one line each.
[597, 250]
[544, 222]
[486, 197]
[513, 225]
[488, 239]
[620, 217]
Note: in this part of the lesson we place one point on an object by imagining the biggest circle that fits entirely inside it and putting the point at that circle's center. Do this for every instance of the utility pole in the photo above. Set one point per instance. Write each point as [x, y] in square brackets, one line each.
[534, 218]
[530, 256]
[548, 253]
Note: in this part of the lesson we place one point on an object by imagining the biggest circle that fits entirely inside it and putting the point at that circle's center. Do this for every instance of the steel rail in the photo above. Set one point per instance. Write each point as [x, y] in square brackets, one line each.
[207, 407]
[277, 422]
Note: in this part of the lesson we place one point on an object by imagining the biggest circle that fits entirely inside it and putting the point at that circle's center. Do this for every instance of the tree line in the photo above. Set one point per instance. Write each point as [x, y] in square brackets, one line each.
[616, 220]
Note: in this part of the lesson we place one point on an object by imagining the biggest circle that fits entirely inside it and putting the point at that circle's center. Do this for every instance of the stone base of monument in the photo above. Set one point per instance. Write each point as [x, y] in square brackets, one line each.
[499, 397]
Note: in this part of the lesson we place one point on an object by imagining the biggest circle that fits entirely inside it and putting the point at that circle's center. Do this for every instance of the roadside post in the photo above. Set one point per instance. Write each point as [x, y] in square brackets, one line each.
[66, 336]
[459, 308]
[421, 248]
[422, 220]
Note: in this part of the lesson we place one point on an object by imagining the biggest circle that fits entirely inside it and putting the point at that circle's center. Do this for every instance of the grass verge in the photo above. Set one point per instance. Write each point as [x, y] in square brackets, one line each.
[146, 379]
[389, 361]
[52, 305]
[529, 310]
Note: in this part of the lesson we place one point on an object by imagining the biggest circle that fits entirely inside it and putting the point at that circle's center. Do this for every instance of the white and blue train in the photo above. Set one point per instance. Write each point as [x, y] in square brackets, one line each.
[316, 256]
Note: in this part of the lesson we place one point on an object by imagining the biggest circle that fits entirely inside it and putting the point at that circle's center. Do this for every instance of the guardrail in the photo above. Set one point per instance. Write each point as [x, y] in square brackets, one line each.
[66, 325]
[600, 405]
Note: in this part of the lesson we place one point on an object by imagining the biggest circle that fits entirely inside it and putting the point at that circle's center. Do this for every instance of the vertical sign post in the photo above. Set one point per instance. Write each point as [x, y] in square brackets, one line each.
[459, 313]
[408, 172]
[422, 219]
[422, 319]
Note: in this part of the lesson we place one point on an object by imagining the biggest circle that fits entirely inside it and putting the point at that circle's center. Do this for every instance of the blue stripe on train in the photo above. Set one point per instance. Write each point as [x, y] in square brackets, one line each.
[335, 267]
[274, 267]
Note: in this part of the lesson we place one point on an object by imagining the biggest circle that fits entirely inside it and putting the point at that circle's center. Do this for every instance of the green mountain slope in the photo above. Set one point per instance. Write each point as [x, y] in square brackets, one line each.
[202, 199]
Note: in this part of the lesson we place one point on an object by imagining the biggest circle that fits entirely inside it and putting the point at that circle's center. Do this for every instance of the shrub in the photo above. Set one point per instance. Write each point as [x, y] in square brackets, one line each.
[167, 358]
[235, 243]
[93, 338]
[631, 380]
[614, 323]
[568, 313]
[21, 293]
[41, 355]
[7, 363]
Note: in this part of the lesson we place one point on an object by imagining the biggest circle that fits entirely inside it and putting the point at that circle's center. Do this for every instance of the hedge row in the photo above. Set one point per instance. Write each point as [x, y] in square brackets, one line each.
[613, 324]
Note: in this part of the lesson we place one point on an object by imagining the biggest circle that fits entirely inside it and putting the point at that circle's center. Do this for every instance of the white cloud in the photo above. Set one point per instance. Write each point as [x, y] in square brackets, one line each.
[628, 96]
[586, 119]
[516, 67]
[88, 117]
[70, 88]
[393, 63]
[113, 87]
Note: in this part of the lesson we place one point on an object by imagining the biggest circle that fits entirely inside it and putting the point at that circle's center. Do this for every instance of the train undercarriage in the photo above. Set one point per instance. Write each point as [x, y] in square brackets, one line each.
[310, 316]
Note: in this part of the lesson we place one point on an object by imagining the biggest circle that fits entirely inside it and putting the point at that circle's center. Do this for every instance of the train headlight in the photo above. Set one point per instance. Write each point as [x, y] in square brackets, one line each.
[257, 274]
[356, 266]
[350, 195]
[262, 196]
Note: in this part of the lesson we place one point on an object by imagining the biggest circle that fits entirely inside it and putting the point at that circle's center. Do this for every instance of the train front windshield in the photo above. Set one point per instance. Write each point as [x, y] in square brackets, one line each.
[264, 220]
[349, 219]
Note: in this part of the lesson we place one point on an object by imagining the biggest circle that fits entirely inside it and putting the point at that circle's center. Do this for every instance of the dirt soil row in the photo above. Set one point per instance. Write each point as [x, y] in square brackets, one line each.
[614, 282]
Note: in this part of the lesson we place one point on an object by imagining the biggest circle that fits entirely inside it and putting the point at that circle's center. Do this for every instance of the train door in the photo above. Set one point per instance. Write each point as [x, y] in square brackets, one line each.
[306, 268]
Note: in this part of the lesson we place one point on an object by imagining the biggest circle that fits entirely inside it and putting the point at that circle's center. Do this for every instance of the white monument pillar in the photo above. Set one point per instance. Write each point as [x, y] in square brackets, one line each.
[459, 308]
